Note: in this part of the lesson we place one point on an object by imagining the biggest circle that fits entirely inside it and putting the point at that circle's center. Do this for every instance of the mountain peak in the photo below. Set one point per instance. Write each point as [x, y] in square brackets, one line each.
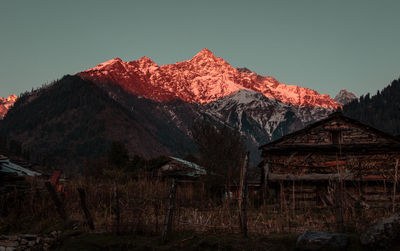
[6, 104]
[204, 53]
[145, 61]
[344, 97]
[112, 61]
[12, 98]
[107, 63]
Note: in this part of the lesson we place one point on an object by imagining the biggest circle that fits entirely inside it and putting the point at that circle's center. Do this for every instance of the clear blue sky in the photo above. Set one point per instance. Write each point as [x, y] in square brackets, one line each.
[323, 45]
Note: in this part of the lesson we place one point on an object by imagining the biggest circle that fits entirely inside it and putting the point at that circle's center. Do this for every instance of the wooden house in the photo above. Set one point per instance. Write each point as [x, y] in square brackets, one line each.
[337, 158]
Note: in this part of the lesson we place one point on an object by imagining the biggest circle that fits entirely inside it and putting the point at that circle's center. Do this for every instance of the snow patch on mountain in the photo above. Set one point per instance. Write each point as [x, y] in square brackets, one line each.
[251, 112]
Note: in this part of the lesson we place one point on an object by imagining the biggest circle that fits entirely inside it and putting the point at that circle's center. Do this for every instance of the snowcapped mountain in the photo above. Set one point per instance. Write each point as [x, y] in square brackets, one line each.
[73, 113]
[6, 104]
[260, 118]
[202, 79]
[152, 108]
[261, 108]
[238, 108]
[344, 97]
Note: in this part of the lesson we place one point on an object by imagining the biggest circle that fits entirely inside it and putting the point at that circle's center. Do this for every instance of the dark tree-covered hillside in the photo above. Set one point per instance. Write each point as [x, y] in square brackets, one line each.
[73, 120]
[381, 111]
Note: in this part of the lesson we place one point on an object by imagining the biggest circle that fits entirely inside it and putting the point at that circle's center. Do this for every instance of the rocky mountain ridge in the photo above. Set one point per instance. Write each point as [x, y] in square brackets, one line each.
[152, 108]
[202, 79]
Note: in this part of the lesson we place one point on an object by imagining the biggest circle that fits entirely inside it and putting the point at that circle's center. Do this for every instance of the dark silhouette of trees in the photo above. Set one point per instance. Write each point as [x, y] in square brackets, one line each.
[381, 110]
[221, 152]
[118, 156]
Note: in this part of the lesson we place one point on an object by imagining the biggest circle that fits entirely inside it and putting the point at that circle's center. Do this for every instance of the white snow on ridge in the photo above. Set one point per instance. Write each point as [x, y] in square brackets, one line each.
[267, 113]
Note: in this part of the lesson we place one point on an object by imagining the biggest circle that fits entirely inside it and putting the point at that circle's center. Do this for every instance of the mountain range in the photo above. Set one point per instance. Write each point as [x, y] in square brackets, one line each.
[202, 79]
[151, 108]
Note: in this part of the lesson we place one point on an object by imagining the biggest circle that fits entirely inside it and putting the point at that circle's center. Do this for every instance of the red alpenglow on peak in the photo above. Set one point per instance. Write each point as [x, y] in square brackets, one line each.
[6, 104]
[202, 79]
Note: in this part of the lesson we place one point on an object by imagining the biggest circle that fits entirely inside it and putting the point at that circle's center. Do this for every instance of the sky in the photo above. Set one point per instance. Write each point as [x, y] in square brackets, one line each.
[319, 44]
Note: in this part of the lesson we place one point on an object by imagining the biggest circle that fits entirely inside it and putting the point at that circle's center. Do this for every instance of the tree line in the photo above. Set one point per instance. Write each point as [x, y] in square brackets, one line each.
[381, 110]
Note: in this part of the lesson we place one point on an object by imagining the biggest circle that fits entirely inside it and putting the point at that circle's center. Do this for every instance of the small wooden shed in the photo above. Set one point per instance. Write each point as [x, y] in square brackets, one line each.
[15, 167]
[181, 169]
[310, 165]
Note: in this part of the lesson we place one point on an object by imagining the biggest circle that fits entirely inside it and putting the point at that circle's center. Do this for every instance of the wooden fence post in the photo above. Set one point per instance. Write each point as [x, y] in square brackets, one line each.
[156, 212]
[170, 212]
[243, 196]
[117, 210]
[56, 200]
[88, 216]
[293, 199]
[265, 183]
[338, 202]
[394, 185]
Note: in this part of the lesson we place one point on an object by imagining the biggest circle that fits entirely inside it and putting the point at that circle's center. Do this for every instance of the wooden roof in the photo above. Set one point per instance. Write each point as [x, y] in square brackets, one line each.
[177, 167]
[333, 116]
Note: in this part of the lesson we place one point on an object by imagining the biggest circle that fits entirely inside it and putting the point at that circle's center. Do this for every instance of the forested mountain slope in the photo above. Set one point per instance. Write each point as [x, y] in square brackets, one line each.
[381, 110]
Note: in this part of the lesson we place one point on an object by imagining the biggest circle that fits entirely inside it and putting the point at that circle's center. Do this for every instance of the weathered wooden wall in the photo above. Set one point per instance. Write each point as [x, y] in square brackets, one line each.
[308, 166]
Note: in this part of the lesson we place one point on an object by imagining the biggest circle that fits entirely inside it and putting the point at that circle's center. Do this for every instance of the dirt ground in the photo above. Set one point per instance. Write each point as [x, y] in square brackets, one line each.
[184, 241]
